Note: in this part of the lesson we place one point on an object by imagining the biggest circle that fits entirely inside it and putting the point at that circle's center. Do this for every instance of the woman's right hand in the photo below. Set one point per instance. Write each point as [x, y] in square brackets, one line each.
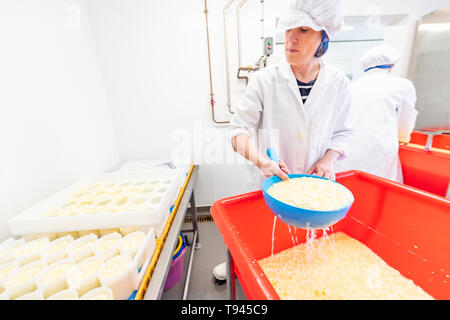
[271, 168]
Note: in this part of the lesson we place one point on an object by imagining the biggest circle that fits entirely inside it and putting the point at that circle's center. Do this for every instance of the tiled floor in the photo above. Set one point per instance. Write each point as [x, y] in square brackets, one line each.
[212, 252]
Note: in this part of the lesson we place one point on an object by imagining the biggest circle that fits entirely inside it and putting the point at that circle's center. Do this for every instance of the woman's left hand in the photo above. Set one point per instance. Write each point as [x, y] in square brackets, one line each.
[284, 167]
[325, 166]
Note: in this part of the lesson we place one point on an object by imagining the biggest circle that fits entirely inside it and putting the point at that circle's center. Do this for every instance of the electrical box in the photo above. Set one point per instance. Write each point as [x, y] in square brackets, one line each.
[268, 46]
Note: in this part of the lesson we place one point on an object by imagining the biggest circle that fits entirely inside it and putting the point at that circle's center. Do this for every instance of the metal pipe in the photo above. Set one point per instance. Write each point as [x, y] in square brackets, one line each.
[257, 66]
[262, 27]
[211, 94]
[227, 62]
[249, 69]
[238, 13]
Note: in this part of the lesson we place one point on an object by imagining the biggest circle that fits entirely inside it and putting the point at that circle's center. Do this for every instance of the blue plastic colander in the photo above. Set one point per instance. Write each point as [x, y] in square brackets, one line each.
[298, 217]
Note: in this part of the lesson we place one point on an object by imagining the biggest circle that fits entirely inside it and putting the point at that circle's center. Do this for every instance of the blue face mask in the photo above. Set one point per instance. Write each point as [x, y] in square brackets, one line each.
[323, 45]
[385, 66]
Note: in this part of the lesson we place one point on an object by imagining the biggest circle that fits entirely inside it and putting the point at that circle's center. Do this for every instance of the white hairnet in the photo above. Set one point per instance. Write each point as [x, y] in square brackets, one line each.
[380, 55]
[317, 14]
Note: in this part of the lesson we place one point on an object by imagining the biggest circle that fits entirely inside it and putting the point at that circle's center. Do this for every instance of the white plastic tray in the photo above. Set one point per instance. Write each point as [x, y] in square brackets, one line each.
[32, 220]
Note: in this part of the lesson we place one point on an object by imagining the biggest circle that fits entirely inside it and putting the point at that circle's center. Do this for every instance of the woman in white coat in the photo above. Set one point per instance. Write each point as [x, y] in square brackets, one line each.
[384, 114]
[300, 107]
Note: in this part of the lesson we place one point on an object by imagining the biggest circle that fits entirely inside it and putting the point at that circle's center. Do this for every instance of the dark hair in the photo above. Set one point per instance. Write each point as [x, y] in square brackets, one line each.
[323, 47]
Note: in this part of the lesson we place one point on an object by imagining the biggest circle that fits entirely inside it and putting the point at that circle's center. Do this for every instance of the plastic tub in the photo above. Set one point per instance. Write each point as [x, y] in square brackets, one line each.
[425, 170]
[82, 247]
[120, 275]
[441, 141]
[31, 251]
[177, 265]
[54, 278]
[404, 226]
[107, 246]
[22, 280]
[5, 270]
[58, 249]
[8, 249]
[35, 295]
[84, 276]
[101, 293]
[68, 294]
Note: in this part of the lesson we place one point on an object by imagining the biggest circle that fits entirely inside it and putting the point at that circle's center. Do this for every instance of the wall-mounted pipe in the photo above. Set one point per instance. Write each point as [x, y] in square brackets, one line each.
[238, 14]
[258, 65]
[263, 59]
[227, 59]
[262, 27]
[212, 102]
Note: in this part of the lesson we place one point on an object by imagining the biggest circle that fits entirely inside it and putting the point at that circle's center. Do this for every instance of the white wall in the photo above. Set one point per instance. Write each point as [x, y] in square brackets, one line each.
[55, 124]
[154, 57]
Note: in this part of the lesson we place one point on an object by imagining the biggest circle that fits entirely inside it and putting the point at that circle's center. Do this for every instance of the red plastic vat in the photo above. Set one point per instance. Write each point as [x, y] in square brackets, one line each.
[441, 141]
[426, 170]
[406, 227]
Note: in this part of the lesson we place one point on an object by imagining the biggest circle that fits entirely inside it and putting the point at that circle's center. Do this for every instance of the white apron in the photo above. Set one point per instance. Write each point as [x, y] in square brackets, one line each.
[384, 113]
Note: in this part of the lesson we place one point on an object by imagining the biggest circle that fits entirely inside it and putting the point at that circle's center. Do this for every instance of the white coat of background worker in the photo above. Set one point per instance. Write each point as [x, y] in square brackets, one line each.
[384, 113]
[305, 101]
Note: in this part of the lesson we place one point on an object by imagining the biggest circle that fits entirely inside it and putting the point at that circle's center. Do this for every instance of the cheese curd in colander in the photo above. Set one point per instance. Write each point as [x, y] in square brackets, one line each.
[311, 193]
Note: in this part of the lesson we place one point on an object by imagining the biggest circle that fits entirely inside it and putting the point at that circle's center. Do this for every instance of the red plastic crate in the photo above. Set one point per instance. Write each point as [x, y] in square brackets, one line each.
[406, 227]
[426, 170]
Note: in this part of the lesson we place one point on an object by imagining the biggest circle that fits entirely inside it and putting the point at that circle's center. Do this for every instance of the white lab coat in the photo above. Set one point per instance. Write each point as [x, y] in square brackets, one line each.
[272, 113]
[384, 113]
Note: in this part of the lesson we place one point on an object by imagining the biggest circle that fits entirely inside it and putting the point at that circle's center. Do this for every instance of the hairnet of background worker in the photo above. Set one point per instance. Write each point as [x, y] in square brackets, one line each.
[384, 114]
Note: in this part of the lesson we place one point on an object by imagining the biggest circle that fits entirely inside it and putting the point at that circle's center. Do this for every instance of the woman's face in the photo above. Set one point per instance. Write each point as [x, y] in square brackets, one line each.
[301, 44]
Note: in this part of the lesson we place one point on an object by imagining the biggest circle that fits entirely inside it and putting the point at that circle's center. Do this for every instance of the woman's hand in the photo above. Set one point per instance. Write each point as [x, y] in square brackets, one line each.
[271, 168]
[325, 166]
[283, 167]
[243, 146]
